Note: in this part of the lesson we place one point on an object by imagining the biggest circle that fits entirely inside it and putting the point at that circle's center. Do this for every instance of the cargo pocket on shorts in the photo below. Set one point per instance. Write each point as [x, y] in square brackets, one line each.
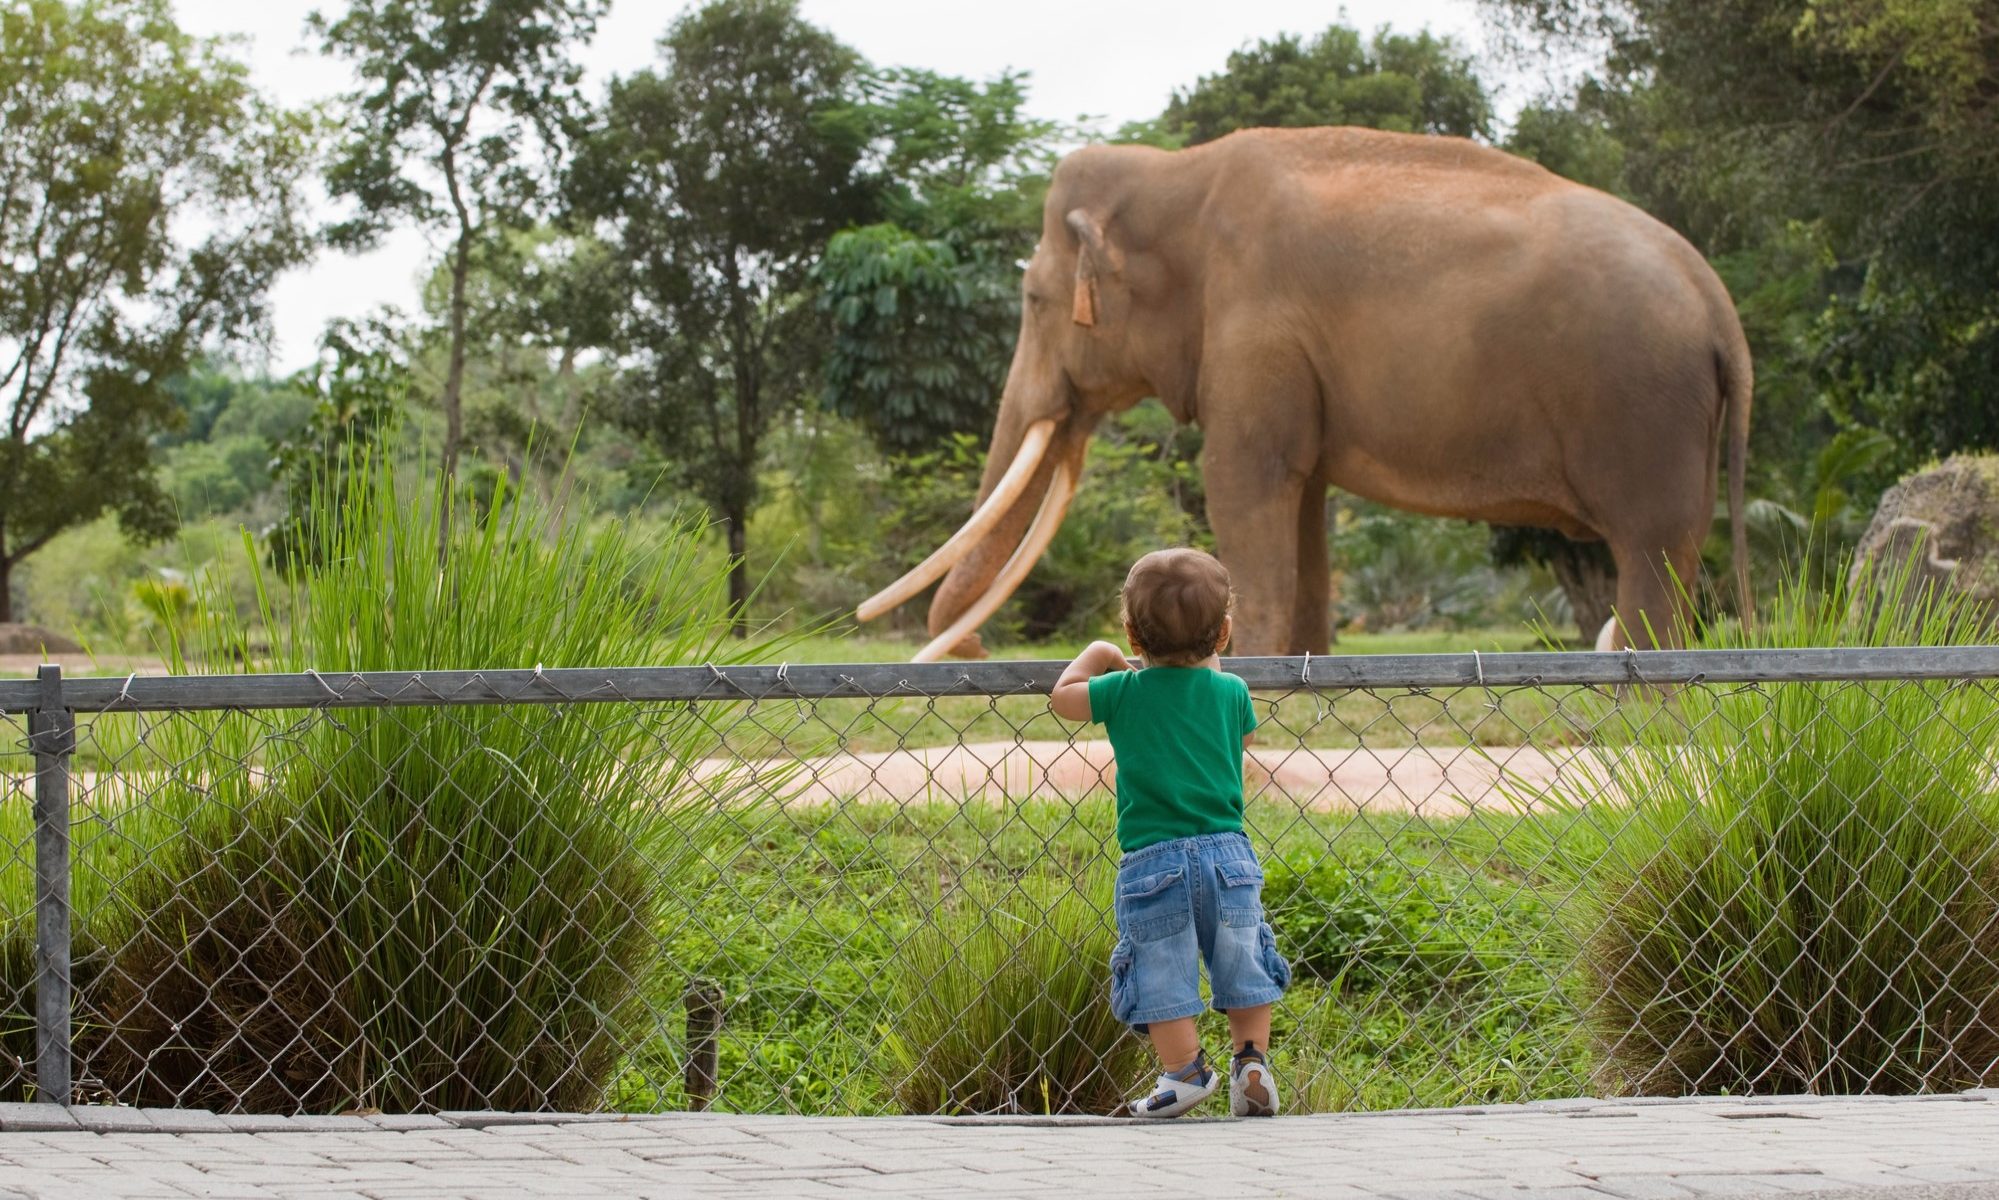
[1273, 962]
[1124, 989]
[1155, 906]
[1241, 899]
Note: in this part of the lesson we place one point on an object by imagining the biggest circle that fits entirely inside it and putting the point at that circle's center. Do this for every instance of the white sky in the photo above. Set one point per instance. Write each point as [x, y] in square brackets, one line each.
[1114, 60]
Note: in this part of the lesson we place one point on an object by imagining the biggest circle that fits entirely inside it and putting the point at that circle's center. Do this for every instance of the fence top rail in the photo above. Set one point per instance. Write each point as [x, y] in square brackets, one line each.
[379, 689]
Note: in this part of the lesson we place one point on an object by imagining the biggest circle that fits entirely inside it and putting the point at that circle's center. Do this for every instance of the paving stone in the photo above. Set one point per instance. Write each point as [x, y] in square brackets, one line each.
[403, 1122]
[108, 1118]
[35, 1118]
[1641, 1187]
[313, 1123]
[256, 1122]
[185, 1120]
[1562, 1151]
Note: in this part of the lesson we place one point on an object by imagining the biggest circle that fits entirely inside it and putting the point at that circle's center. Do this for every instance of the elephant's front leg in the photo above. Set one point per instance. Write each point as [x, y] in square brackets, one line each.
[1312, 614]
[1258, 464]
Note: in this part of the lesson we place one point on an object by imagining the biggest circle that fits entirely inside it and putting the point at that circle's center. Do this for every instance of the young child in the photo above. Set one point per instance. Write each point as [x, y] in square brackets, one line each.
[1189, 886]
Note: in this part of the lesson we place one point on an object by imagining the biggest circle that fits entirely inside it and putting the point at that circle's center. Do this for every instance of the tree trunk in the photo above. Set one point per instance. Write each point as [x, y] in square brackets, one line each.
[454, 382]
[739, 573]
[6, 590]
[572, 391]
[1589, 580]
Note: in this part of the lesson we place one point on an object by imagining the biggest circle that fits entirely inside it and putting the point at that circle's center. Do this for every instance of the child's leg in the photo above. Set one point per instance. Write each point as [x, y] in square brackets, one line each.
[1246, 1025]
[1177, 1043]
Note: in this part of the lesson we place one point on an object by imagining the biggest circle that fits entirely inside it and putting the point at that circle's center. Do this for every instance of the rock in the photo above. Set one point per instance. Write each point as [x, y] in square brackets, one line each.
[33, 639]
[1943, 524]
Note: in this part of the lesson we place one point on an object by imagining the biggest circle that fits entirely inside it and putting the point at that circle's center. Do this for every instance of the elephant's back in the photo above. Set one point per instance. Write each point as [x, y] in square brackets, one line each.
[1357, 217]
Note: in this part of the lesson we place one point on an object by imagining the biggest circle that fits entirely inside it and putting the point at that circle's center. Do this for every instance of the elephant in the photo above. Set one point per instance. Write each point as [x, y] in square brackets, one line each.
[1422, 321]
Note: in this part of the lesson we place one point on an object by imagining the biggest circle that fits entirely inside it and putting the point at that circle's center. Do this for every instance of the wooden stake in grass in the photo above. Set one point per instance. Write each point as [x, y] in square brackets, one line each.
[704, 1027]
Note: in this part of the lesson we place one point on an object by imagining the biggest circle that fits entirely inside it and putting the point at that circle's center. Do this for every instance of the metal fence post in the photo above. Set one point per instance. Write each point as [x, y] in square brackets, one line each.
[52, 736]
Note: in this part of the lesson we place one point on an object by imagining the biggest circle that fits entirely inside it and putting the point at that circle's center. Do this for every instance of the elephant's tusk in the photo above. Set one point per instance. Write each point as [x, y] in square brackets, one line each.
[1054, 506]
[1033, 445]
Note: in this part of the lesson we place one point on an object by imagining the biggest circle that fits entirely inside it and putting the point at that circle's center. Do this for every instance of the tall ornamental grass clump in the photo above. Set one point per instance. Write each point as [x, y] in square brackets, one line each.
[1003, 1003]
[1794, 888]
[419, 908]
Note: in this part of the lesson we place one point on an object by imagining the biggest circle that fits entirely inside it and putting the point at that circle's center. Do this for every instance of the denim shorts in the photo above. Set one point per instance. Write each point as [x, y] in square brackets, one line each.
[1181, 902]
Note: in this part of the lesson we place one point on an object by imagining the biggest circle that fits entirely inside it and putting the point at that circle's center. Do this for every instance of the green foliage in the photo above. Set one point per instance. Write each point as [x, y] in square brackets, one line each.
[1002, 1004]
[1380, 925]
[358, 386]
[1419, 84]
[1402, 571]
[1794, 888]
[1571, 141]
[925, 306]
[961, 160]
[462, 113]
[372, 900]
[922, 338]
[121, 134]
[715, 180]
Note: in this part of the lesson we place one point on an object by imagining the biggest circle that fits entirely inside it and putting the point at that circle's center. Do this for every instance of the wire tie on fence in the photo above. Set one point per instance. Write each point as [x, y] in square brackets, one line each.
[1631, 664]
[1305, 676]
[1478, 664]
[321, 681]
[125, 691]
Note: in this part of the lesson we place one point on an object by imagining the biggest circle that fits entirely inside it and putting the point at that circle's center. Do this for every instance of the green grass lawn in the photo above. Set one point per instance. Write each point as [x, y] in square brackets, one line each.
[799, 916]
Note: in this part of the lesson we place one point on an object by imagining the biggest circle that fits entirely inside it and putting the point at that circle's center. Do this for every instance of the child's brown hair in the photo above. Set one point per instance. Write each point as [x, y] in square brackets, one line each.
[1175, 603]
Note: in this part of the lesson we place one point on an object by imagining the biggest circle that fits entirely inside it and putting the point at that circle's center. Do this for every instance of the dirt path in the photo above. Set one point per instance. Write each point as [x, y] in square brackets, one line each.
[1440, 781]
[1429, 781]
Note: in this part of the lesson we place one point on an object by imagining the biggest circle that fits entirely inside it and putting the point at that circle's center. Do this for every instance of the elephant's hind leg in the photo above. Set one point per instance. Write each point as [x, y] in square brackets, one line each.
[1655, 581]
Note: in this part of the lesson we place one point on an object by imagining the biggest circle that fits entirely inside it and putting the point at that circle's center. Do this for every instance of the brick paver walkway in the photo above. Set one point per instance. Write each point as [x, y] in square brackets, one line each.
[1566, 1150]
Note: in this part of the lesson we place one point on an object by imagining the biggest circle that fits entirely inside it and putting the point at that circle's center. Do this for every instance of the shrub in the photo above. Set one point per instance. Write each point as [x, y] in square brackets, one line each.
[416, 907]
[1369, 927]
[1803, 894]
[1003, 1003]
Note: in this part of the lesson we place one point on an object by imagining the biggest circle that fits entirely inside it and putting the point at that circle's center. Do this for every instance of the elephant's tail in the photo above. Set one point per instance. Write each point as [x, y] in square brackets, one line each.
[1737, 378]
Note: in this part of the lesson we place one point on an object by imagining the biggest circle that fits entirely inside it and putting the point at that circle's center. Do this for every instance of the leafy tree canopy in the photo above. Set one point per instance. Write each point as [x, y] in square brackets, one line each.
[148, 197]
[925, 305]
[462, 114]
[715, 180]
[1398, 82]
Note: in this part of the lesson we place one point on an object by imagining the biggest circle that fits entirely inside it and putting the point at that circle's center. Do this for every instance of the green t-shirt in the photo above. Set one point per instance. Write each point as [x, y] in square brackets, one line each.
[1177, 733]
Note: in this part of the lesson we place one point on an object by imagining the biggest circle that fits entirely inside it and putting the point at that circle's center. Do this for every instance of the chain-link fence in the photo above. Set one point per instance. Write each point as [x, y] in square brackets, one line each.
[875, 889]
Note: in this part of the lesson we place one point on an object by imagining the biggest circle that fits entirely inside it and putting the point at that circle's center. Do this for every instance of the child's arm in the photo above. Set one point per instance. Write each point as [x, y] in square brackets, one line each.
[1071, 697]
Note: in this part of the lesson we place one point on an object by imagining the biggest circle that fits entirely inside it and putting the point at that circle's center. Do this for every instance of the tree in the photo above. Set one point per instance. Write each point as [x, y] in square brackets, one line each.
[464, 111]
[715, 180]
[1420, 84]
[925, 305]
[119, 132]
[536, 301]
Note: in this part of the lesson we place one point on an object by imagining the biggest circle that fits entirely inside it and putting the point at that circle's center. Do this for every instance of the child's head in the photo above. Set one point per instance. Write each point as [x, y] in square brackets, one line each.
[1176, 606]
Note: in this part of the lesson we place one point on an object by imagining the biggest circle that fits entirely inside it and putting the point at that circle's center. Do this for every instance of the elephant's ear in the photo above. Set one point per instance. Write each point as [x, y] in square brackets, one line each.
[1091, 261]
